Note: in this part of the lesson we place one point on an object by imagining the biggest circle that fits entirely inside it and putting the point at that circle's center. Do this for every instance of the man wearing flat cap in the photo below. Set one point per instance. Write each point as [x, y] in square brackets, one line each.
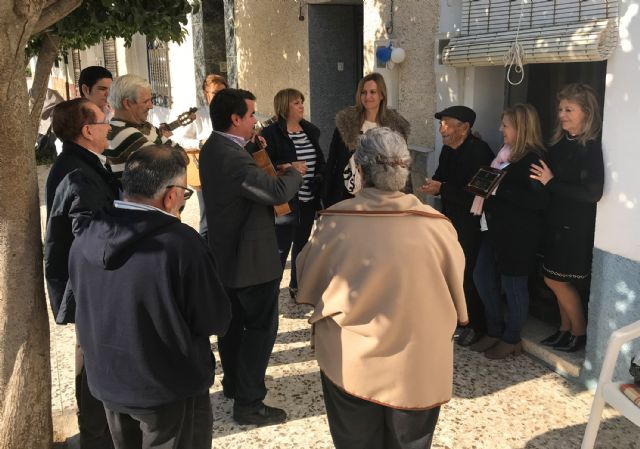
[461, 156]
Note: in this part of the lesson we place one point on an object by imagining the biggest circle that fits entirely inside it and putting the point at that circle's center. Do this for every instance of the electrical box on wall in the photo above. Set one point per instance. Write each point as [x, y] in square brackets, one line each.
[390, 75]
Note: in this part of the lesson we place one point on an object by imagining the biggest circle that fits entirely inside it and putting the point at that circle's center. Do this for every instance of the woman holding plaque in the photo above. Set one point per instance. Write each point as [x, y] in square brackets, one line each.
[514, 221]
[370, 111]
[292, 139]
[574, 177]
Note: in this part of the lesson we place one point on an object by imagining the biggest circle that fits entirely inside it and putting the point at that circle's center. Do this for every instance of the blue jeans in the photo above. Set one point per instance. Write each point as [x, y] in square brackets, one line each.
[490, 284]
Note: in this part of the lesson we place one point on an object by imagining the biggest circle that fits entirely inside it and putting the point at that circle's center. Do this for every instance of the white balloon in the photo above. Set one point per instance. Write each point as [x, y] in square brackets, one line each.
[398, 55]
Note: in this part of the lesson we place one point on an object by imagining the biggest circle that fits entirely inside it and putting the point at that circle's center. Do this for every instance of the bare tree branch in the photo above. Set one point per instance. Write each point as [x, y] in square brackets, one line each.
[53, 12]
[46, 58]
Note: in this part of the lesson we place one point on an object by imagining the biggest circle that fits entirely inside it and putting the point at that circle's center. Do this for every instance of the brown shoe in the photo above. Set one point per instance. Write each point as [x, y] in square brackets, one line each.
[484, 344]
[503, 350]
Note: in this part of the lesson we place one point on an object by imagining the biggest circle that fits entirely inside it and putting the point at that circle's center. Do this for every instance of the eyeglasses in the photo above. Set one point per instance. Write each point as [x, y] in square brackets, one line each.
[104, 122]
[187, 191]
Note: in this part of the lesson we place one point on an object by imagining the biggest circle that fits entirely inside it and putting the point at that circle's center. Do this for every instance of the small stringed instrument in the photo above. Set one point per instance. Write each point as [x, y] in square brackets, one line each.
[183, 119]
[264, 162]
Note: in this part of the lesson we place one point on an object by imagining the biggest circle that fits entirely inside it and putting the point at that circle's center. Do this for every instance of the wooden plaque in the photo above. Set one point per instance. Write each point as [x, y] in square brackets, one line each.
[484, 181]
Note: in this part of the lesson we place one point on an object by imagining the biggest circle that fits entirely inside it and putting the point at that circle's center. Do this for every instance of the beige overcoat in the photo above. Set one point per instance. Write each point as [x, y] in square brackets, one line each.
[387, 292]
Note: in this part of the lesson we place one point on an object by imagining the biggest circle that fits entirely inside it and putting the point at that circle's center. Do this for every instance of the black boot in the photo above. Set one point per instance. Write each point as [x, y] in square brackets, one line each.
[560, 338]
[575, 343]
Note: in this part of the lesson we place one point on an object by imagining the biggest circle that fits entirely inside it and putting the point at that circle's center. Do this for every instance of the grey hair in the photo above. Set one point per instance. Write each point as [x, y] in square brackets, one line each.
[384, 158]
[126, 87]
[151, 169]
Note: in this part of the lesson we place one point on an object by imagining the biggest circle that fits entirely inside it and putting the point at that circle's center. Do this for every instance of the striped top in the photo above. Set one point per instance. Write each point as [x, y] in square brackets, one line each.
[125, 138]
[305, 151]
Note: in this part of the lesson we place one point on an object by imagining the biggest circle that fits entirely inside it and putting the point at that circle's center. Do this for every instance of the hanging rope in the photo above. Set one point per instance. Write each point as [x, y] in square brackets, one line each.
[515, 55]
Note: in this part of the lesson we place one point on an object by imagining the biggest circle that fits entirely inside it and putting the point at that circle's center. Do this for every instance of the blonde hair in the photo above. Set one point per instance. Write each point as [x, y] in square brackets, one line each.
[382, 90]
[283, 98]
[212, 80]
[587, 99]
[524, 118]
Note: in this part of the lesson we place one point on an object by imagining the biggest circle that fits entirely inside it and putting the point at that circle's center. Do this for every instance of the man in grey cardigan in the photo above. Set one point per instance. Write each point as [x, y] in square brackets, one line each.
[239, 198]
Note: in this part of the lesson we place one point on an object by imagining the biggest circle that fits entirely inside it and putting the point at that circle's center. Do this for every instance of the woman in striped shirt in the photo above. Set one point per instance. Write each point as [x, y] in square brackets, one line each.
[294, 139]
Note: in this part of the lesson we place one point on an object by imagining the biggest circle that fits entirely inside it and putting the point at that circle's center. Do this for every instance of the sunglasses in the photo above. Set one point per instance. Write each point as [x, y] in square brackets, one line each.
[187, 191]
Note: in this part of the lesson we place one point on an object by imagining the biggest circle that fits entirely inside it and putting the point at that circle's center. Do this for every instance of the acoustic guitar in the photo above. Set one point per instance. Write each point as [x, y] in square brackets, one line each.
[182, 120]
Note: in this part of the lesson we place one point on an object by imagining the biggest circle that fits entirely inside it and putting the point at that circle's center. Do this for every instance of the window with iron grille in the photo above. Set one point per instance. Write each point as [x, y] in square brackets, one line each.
[158, 58]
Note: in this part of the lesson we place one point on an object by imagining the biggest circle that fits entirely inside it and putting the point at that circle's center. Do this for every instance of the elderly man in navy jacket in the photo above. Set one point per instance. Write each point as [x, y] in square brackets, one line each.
[78, 184]
[148, 298]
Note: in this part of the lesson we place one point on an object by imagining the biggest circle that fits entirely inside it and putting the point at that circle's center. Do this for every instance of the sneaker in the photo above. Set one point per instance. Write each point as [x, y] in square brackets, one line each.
[263, 415]
[468, 336]
[560, 338]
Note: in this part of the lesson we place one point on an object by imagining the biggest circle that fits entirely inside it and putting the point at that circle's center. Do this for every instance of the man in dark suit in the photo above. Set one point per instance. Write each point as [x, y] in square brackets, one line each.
[238, 197]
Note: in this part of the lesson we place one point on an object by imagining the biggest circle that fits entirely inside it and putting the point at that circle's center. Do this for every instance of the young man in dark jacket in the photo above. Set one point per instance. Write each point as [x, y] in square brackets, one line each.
[148, 298]
[78, 185]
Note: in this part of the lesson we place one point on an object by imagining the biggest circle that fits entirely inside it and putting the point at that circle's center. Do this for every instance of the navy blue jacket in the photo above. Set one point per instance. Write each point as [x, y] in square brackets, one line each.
[148, 297]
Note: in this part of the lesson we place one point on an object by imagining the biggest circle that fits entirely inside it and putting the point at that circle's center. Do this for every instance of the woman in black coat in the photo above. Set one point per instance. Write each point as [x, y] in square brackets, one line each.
[370, 111]
[514, 218]
[575, 180]
[294, 140]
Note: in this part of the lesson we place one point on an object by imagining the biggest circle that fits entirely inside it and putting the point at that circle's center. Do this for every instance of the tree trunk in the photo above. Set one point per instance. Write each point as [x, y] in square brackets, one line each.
[46, 57]
[25, 371]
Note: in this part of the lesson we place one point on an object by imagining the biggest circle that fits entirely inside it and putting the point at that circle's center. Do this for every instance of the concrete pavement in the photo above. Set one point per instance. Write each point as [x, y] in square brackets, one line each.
[512, 404]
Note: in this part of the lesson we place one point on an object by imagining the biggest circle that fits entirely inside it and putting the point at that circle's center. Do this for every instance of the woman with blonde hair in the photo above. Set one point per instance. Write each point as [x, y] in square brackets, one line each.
[294, 140]
[514, 221]
[370, 111]
[574, 178]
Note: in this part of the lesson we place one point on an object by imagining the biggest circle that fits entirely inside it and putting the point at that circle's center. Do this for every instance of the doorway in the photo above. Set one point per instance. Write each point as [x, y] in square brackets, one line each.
[335, 63]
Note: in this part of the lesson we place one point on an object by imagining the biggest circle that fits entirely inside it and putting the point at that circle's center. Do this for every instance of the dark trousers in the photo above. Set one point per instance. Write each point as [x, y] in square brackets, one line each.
[92, 422]
[469, 239]
[185, 424]
[490, 284]
[246, 348]
[294, 237]
[358, 424]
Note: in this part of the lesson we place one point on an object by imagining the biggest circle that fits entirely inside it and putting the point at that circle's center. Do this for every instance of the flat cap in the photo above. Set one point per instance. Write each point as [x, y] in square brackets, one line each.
[462, 113]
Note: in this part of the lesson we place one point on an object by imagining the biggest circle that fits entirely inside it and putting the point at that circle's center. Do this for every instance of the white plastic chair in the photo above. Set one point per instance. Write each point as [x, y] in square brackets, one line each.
[609, 391]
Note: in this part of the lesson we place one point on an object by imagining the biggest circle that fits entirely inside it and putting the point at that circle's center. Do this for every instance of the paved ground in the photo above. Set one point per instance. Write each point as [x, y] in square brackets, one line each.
[512, 404]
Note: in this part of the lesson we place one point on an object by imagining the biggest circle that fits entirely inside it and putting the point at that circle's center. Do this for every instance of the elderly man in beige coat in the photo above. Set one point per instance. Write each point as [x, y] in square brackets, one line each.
[384, 273]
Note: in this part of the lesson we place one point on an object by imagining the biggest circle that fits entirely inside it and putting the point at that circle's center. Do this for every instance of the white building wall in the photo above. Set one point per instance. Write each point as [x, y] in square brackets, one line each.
[618, 224]
[93, 55]
[480, 88]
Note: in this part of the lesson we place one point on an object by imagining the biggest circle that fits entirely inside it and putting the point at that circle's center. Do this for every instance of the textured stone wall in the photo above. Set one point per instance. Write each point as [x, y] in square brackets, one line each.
[272, 49]
[414, 28]
[415, 25]
[614, 303]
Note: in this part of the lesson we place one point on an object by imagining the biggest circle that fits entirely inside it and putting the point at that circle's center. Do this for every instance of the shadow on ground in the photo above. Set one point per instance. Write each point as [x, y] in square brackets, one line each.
[609, 436]
[472, 370]
[300, 395]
